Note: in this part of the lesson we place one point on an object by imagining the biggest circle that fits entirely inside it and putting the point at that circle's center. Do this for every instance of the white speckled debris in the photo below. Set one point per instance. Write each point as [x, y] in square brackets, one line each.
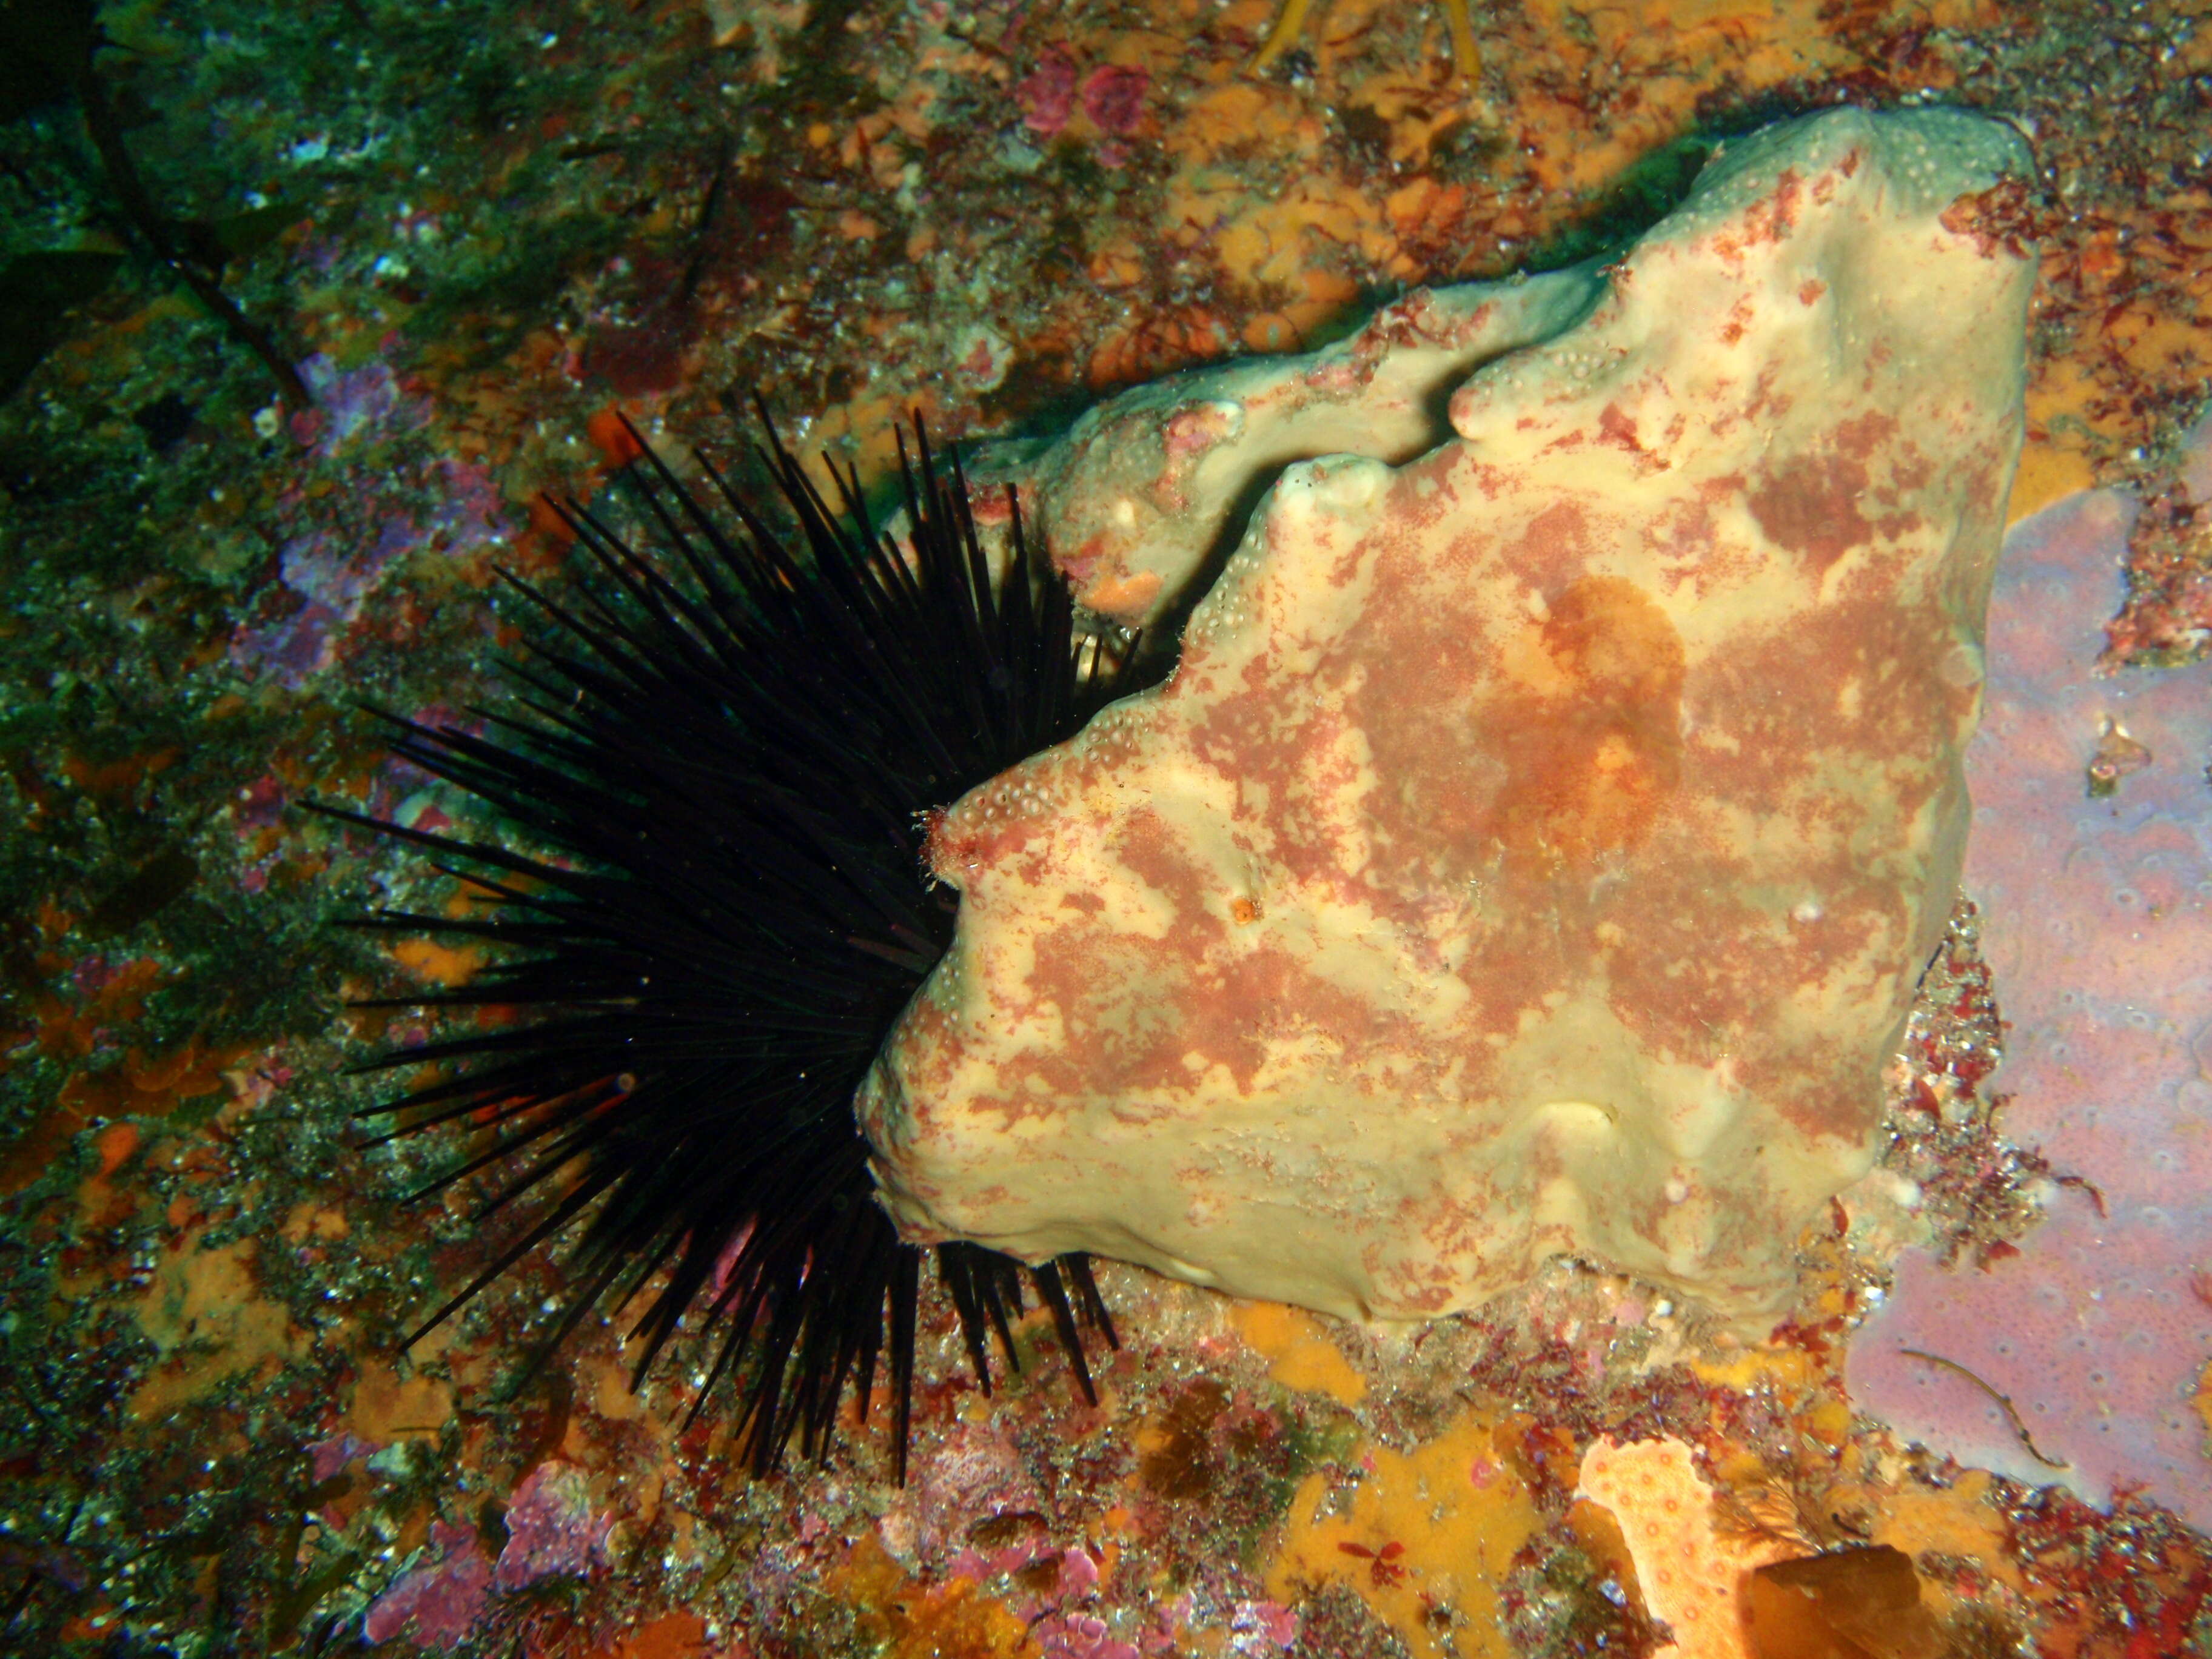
[1537, 845]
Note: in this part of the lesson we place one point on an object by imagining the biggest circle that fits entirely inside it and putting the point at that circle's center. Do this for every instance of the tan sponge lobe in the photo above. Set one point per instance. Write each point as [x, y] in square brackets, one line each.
[1537, 844]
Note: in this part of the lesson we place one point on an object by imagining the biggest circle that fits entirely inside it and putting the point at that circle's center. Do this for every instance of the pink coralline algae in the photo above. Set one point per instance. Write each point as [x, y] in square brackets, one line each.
[1261, 1627]
[328, 574]
[437, 1603]
[329, 565]
[1113, 99]
[1080, 1635]
[976, 1471]
[350, 402]
[2098, 925]
[1047, 96]
[552, 1528]
[327, 1457]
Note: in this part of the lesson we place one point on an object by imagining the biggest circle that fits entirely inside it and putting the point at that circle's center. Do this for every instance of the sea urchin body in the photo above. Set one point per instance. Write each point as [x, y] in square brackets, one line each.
[707, 905]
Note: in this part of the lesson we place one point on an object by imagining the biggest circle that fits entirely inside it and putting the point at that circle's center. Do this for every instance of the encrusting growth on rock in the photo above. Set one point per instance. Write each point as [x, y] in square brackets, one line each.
[1537, 842]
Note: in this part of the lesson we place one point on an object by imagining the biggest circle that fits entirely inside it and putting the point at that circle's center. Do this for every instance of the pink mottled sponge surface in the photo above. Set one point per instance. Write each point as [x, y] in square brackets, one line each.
[2098, 928]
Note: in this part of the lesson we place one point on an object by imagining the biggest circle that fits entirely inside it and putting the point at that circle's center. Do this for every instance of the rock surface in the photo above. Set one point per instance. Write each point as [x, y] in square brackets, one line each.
[1537, 842]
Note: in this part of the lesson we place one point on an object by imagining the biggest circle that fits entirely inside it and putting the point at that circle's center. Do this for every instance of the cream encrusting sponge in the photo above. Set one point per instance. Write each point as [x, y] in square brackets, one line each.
[1537, 845]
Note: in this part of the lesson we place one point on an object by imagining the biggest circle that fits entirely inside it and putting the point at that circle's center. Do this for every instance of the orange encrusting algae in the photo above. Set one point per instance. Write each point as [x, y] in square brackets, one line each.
[1290, 24]
[1299, 1354]
[1427, 1533]
[207, 1314]
[911, 1620]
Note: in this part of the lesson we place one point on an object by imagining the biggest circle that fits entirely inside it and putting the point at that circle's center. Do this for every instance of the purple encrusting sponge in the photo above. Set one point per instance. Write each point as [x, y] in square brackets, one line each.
[2097, 923]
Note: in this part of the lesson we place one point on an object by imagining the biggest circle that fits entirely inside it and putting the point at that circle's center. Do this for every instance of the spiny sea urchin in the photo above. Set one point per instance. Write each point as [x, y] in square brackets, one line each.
[708, 905]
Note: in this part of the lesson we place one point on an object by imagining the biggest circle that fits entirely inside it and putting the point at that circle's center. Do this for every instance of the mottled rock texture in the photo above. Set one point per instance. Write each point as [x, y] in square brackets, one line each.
[1537, 843]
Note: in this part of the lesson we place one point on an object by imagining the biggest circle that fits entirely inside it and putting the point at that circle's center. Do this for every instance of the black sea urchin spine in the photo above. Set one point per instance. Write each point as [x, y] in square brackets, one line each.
[707, 905]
